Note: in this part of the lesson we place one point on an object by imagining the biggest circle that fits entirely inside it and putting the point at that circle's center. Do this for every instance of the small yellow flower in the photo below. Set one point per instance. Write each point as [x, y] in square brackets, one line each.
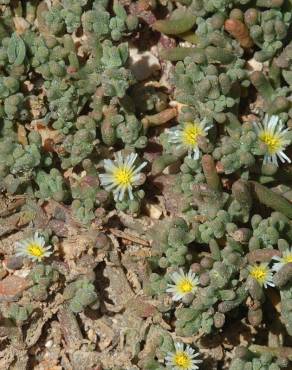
[121, 175]
[273, 134]
[262, 274]
[183, 284]
[190, 134]
[33, 248]
[182, 358]
[281, 261]
[186, 136]
[272, 141]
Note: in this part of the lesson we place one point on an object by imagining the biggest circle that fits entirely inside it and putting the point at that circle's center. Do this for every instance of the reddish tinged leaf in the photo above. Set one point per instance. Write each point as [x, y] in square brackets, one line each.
[239, 31]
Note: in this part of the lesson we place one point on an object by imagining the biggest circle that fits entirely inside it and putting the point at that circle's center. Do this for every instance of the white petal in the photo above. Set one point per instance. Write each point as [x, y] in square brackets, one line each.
[110, 187]
[131, 159]
[109, 166]
[283, 156]
[138, 169]
[131, 196]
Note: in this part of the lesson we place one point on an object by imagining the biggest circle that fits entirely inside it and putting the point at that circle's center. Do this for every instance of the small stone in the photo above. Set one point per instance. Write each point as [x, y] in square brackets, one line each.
[253, 65]
[143, 64]
[59, 227]
[13, 263]
[172, 169]
[11, 288]
[153, 211]
[102, 241]
[49, 343]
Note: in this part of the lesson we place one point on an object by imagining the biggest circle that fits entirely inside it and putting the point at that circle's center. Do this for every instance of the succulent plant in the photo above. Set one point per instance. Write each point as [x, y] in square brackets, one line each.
[81, 294]
[164, 128]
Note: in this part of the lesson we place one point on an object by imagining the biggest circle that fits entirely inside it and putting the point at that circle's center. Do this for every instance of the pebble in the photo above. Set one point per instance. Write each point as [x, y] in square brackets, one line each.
[49, 343]
[13, 263]
[11, 288]
[143, 64]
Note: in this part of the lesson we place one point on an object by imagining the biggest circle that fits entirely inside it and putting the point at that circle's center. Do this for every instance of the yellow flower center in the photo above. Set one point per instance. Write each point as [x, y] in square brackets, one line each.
[185, 286]
[287, 259]
[272, 141]
[123, 176]
[35, 250]
[182, 360]
[190, 134]
[259, 273]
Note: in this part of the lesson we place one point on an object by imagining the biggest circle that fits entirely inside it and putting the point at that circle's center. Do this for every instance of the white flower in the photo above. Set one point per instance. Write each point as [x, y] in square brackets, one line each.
[262, 274]
[186, 136]
[273, 133]
[33, 248]
[182, 358]
[281, 261]
[183, 284]
[121, 175]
